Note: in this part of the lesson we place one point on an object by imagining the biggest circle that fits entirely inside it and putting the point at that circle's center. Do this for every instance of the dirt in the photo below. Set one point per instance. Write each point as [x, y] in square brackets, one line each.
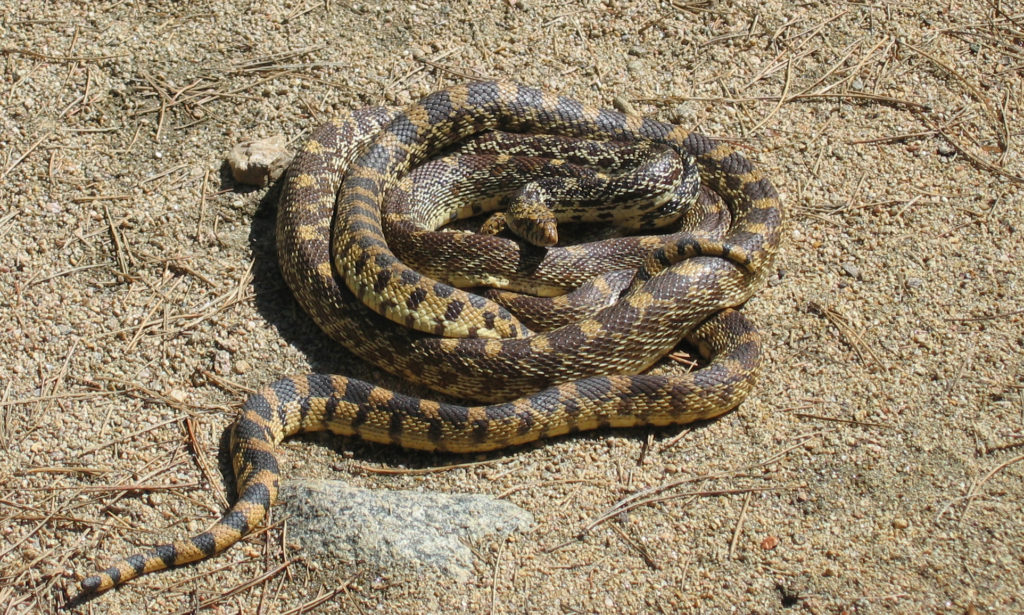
[876, 468]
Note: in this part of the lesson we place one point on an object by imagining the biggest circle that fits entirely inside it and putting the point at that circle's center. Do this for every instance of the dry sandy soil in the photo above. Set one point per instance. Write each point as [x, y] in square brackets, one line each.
[876, 468]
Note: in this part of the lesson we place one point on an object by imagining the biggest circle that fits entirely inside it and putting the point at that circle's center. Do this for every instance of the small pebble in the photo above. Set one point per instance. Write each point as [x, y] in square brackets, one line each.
[222, 362]
[621, 103]
[177, 395]
[259, 162]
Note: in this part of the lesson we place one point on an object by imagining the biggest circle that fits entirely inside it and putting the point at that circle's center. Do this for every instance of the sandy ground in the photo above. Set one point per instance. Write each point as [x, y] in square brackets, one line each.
[876, 468]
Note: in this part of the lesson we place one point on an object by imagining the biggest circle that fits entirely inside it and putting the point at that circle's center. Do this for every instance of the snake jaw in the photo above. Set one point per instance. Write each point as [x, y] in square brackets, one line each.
[529, 214]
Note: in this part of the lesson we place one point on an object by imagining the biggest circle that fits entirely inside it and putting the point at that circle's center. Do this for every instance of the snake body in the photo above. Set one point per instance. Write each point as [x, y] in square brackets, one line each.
[633, 186]
[535, 385]
[430, 195]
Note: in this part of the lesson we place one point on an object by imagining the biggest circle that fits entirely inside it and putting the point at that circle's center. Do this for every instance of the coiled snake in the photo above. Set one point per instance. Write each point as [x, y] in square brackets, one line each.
[576, 377]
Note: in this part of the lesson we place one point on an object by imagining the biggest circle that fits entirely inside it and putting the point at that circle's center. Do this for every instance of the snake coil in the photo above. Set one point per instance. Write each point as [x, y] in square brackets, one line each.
[579, 376]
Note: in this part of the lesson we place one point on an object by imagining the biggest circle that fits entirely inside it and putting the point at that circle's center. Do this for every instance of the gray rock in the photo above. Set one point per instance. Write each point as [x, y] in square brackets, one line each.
[853, 271]
[394, 530]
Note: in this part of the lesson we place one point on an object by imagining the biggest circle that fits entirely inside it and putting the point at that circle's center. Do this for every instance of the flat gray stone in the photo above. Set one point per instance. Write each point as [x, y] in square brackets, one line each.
[394, 530]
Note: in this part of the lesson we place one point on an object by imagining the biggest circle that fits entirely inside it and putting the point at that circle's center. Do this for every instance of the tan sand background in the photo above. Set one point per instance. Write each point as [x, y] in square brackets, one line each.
[877, 467]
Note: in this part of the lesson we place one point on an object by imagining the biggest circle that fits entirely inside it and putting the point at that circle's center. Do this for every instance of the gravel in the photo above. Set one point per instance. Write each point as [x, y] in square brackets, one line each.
[876, 468]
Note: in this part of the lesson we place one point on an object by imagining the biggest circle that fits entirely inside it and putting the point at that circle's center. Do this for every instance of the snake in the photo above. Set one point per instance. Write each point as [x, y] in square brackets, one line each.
[525, 385]
[430, 196]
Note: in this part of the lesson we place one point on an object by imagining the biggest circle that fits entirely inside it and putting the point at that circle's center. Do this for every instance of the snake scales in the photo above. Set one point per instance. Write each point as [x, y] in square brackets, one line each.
[576, 377]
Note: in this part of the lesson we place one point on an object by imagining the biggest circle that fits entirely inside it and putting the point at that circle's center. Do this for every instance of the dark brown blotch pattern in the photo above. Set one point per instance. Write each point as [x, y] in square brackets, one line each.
[287, 406]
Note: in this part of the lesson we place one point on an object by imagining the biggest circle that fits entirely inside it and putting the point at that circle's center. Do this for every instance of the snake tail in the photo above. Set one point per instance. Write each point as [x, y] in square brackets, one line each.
[351, 407]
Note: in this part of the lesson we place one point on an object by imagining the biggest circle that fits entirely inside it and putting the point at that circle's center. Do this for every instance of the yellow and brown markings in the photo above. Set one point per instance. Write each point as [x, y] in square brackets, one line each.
[558, 381]
[384, 416]
[591, 328]
[303, 180]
